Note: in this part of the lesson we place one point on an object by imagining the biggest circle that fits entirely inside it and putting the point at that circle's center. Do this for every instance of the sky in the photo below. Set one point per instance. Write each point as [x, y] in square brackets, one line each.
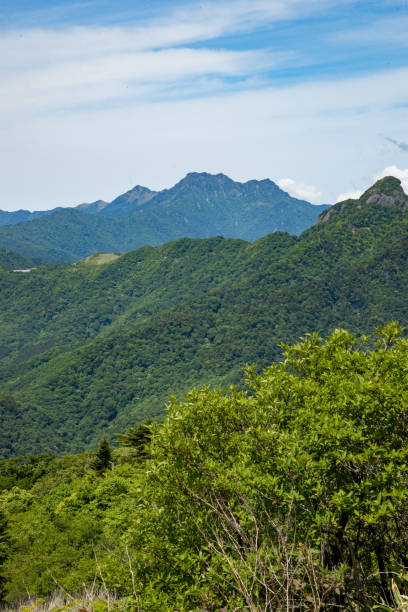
[99, 96]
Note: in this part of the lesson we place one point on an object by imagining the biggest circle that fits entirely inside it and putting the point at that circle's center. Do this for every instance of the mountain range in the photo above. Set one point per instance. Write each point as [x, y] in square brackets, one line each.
[199, 206]
[100, 344]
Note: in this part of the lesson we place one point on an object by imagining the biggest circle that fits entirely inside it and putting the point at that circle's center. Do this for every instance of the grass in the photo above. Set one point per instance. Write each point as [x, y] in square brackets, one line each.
[98, 259]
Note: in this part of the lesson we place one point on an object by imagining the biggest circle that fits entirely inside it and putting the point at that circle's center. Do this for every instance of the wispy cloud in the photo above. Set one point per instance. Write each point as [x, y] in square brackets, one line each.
[349, 195]
[124, 76]
[183, 26]
[388, 30]
[402, 146]
[300, 190]
[53, 68]
[44, 69]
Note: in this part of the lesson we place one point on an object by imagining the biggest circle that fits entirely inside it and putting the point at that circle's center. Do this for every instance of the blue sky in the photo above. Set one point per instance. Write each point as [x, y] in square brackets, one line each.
[99, 96]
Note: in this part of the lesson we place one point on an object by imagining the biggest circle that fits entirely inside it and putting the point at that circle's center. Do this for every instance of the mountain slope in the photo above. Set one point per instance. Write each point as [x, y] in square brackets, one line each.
[199, 206]
[235, 210]
[63, 235]
[91, 348]
[12, 261]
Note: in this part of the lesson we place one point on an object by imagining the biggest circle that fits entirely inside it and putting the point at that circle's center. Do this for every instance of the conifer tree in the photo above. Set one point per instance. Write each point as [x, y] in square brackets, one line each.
[137, 438]
[103, 457]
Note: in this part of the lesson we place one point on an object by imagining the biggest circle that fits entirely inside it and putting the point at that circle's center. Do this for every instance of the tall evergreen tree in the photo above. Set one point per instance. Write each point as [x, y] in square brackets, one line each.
[137, 438]
[103, 457]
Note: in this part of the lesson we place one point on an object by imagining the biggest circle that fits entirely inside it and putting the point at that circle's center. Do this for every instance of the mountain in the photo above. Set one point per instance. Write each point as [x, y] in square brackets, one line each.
[100, 344]
[201, 205]
[206, 205]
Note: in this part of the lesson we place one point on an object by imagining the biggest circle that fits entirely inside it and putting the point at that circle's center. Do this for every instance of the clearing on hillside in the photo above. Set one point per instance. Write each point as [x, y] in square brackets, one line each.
[99, 259]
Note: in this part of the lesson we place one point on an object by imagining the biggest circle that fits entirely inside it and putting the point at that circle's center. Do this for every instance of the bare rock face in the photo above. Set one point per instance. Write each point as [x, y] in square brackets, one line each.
[386, 200]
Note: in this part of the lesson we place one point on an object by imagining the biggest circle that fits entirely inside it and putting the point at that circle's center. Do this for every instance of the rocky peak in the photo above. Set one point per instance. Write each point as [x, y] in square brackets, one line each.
[386, 192]
[204, 178]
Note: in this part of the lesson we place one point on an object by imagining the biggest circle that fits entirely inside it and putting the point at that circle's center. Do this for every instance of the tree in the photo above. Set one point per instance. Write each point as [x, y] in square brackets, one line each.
[137, 438]
[294, 494]
[103, 457]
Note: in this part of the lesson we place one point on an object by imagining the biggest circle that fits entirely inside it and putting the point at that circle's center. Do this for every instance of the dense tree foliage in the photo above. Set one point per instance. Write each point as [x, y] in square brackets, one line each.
[290, 494]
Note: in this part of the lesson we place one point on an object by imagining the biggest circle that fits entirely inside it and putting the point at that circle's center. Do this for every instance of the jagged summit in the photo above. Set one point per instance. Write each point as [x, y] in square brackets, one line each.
[203, 178]
[213, 185]
[220, 178]
[386, 192]
[207, 175]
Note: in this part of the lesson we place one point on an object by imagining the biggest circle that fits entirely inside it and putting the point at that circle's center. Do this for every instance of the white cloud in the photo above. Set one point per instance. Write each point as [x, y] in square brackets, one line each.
[349, 195]
[184, 25]
[300, 190]
[123, 76]
[399, 173]
[43, 69]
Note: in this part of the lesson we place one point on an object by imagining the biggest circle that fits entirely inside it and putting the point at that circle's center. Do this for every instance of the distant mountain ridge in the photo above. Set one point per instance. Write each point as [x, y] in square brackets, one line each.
[201, 205]
[18, 216]
[122, 205]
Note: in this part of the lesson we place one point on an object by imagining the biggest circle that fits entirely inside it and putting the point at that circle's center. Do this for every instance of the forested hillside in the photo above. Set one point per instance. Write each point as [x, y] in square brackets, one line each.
[199, 206]
[13, 261]
[93, 347]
